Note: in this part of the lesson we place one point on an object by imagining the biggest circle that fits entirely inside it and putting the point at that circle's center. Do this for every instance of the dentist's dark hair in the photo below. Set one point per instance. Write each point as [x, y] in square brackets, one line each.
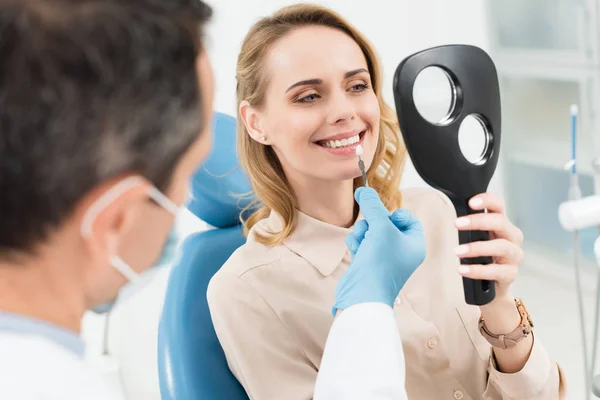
[90, 90]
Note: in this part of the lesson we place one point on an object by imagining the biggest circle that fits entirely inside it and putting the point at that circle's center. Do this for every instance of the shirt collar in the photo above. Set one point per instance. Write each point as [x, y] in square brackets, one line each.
[20, 324]
[319, 243]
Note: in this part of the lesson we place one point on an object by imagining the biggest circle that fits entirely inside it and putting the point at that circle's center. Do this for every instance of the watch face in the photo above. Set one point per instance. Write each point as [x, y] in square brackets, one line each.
[526, 320]
[530, 320]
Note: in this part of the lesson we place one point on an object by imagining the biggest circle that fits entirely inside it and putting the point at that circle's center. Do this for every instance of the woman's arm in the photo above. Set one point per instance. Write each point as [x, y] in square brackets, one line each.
[501, 317]
[525, 370]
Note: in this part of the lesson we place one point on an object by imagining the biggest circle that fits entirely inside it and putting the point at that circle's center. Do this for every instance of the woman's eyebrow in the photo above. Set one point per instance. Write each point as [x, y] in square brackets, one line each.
[305, 82]
[320, 81]
[354, 72]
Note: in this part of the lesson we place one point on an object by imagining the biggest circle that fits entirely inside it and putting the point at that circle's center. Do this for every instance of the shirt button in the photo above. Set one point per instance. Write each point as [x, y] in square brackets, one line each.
[432, 343]
[458, 395]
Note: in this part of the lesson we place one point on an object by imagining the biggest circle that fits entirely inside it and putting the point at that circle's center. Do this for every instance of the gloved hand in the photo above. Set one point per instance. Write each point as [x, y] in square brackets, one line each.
[387, 249]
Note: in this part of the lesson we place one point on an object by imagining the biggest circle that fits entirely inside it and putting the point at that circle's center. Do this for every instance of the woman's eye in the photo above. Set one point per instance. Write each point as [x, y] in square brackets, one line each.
[361, 87]
[308, 99]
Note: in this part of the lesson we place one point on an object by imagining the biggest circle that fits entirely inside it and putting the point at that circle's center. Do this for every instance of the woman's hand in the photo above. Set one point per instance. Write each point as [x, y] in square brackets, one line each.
[504, 246]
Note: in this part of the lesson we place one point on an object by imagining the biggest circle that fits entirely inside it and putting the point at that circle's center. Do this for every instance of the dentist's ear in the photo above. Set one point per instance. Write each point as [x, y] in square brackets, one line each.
[107, 211]
[251, 118]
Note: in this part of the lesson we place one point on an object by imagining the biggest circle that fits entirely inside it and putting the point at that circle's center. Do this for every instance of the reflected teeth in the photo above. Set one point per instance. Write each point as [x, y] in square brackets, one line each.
[334, 144]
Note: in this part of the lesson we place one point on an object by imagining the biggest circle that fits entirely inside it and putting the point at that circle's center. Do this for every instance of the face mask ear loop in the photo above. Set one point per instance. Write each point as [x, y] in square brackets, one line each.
[163, 200]
[124, 269]
[105, 200]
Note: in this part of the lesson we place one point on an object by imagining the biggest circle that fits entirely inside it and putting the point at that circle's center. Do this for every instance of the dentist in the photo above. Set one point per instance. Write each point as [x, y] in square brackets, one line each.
[105, 112]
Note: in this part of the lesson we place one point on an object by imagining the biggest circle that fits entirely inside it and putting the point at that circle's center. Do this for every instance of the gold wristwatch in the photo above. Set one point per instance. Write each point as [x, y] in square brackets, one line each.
[506, 341]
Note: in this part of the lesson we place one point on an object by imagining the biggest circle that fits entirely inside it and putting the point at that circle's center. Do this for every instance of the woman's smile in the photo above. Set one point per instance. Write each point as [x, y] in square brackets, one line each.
[344, 143]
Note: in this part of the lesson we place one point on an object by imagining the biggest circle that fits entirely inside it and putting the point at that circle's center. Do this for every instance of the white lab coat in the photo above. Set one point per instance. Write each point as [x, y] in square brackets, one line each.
[363, 356]
[33, 367]
[363, 359]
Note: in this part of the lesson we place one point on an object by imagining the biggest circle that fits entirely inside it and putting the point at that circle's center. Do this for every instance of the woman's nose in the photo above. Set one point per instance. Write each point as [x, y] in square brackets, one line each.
[341, 109]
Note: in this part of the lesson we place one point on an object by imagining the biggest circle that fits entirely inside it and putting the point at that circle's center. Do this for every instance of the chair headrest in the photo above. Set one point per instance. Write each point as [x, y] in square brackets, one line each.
[218, 183]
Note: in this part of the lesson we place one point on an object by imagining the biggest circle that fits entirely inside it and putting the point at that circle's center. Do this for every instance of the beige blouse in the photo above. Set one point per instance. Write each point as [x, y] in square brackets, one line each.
[271, 309]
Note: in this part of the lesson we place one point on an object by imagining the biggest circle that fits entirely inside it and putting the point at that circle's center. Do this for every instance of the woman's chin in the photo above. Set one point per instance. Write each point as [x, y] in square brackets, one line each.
[344, 175]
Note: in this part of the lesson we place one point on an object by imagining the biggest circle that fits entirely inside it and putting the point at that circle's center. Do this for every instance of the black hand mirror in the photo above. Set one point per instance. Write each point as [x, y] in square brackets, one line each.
[453, 146]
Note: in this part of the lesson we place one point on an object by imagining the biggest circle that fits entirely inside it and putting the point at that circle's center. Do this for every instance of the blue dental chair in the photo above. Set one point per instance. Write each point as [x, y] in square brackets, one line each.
[191, 362]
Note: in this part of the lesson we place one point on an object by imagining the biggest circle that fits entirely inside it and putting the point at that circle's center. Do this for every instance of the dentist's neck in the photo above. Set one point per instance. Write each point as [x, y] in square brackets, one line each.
[43, 288]
[328, 201]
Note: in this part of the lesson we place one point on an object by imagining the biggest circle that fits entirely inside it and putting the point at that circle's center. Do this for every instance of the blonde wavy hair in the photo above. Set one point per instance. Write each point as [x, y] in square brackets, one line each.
[269, 184]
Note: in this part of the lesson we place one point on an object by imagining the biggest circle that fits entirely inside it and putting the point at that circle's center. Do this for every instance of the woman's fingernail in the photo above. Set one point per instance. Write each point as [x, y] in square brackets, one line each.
[463, 270]
[462, 249]
[462, 221]
[476, 202]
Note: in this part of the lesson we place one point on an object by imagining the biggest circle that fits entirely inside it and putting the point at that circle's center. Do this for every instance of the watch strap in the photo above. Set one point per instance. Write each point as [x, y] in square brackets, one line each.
[509, 340]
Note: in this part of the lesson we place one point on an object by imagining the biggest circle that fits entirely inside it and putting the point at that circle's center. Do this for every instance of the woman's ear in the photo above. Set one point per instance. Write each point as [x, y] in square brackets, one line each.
[252, 121]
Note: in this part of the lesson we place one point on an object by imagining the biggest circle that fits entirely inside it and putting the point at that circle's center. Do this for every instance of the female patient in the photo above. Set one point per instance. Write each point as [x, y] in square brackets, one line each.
[309, 90]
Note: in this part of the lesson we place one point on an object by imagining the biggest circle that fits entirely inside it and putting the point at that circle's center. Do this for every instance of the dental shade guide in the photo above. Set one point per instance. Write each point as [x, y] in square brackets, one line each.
[434, 148]
[361, 164]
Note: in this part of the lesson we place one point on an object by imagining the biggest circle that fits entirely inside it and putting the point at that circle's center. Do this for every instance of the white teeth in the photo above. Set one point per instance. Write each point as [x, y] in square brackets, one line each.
[334, 144]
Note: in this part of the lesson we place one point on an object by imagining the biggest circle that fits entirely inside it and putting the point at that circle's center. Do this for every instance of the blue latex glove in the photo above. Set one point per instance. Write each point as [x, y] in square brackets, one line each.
[387, 249]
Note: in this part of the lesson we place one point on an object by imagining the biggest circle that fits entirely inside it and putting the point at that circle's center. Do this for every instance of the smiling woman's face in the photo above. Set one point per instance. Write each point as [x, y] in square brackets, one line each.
[319, 105]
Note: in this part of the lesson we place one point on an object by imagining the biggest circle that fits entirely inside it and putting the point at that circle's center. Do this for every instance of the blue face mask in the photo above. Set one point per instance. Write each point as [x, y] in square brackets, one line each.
[166, 257]
[169, 248]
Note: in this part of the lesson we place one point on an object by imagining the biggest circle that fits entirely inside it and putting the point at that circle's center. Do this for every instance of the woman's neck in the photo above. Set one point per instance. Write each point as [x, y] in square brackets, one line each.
[328, 201]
